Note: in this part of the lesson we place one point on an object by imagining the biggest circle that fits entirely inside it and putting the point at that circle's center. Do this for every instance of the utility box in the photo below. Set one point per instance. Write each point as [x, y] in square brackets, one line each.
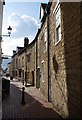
[5, 87]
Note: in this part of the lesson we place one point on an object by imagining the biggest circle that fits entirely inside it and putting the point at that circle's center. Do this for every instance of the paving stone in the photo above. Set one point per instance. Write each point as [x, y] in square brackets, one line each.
[36, 105]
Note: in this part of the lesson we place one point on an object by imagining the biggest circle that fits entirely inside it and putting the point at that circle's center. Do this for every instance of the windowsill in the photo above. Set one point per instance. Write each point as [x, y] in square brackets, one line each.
[57, 42]
[43, 81]
[42, 61]
[45, 51]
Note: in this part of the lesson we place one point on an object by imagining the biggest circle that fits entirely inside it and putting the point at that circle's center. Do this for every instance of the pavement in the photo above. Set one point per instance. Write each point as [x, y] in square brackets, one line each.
[36, 105]
[0, 98]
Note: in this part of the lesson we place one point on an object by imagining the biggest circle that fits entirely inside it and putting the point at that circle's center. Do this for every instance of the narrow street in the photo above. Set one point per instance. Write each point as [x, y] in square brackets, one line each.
[0, 98]
[36, 105]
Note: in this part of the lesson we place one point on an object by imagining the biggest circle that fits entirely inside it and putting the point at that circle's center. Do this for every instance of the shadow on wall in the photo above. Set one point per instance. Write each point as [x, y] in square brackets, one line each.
[72, 55]
[55, 65]
[60, 87]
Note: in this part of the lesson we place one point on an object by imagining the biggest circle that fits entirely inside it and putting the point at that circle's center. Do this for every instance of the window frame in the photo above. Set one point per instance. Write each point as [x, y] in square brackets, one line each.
[22, 61]
[57, 17]
[29, 57]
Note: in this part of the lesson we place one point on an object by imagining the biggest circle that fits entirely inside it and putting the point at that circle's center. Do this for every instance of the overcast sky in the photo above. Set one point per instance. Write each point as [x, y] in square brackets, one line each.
[23, 17]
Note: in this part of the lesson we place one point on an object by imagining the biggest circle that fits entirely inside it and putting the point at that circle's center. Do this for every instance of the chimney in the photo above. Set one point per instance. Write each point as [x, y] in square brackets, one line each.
[14, 52]
[26, 41]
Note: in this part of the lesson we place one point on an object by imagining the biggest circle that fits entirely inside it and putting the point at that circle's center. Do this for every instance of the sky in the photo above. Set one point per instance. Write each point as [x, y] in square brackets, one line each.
[23, 17]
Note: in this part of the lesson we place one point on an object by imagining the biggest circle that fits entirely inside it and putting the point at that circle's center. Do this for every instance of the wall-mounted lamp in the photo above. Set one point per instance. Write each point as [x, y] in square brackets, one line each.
[9, 32]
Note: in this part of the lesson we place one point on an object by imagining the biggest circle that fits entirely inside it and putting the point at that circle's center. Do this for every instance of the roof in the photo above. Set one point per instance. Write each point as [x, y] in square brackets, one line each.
[19, 47]
[43, 6]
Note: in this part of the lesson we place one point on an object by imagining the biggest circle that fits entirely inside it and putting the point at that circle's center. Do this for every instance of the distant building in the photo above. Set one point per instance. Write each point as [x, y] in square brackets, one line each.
[30, 63]
[59, 56]
[15, 62]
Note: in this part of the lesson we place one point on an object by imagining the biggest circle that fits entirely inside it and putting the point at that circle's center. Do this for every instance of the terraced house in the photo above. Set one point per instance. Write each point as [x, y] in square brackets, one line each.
[53, 60]
[15, 62]
[23, 62]
[31, 63]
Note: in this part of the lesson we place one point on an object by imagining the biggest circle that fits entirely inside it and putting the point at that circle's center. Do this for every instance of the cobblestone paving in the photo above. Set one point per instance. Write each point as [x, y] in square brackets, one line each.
[36, 105]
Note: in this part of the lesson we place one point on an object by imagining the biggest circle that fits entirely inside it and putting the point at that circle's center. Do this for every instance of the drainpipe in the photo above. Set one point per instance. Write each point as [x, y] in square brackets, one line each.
[36, 60]
[49, 81]
[26, 43]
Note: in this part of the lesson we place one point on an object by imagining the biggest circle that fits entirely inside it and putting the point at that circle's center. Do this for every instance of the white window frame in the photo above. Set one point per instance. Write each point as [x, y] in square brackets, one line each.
[42, 13]
[57, 15]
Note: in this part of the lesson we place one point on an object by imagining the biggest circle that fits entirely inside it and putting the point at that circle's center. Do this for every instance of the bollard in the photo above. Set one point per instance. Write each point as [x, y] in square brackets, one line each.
[23, 96]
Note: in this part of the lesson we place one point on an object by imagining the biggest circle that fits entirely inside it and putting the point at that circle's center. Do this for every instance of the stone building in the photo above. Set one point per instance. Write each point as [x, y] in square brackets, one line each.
[42, 53]
[23, 62]
[60, 64]
[14, 62]
[21, 65]
[64, 58]
[31, 63]
[18, 62]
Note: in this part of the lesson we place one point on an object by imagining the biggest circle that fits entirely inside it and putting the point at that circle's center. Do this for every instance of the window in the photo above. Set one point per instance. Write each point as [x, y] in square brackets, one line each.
[19, 63]
[45, 39]
[19, 73]
[16, 62]
[16, 72]
[22, 61]
[27, 75]
[29, 57]
[57, 23]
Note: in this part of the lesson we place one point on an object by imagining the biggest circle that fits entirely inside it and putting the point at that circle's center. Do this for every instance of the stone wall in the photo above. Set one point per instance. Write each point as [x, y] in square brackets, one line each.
[71, 26]
[22, 66]
[43, 60]
[58, 69]
[65, 61]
